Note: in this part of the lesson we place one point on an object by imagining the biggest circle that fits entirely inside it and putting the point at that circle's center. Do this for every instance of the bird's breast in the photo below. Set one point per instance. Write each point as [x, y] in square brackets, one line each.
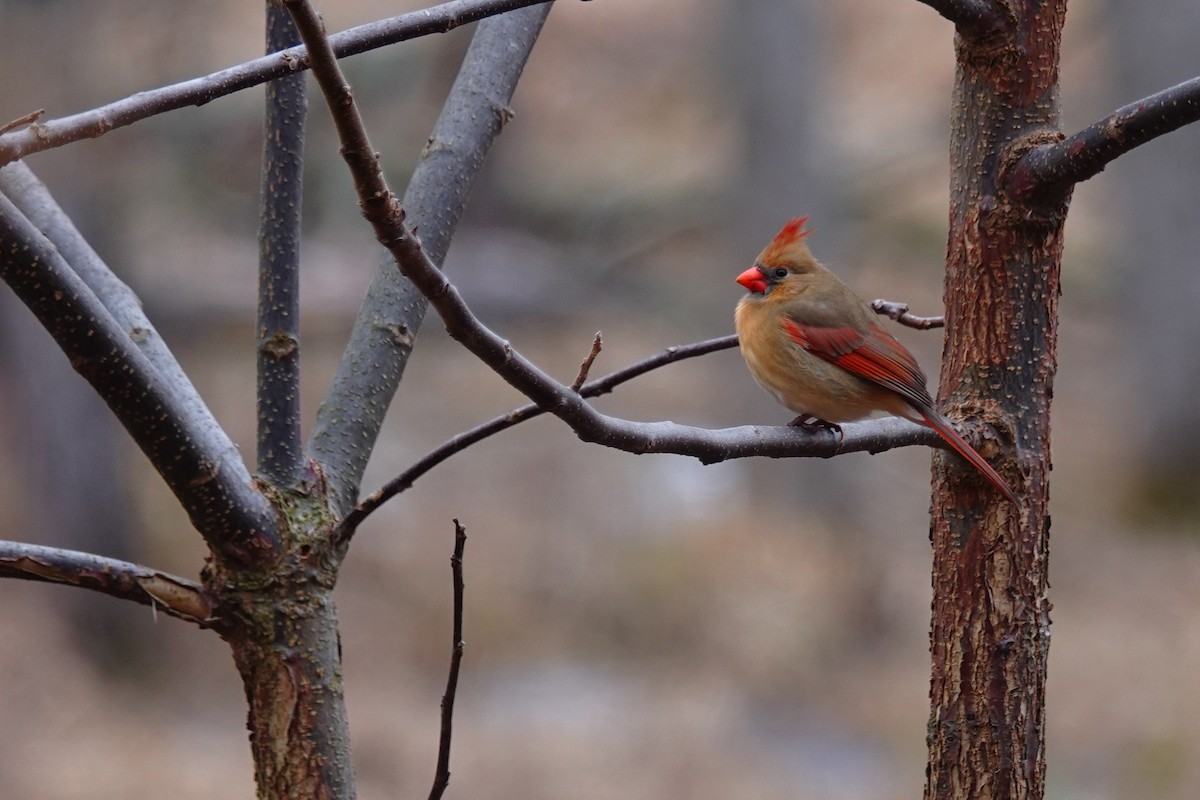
[799, 380]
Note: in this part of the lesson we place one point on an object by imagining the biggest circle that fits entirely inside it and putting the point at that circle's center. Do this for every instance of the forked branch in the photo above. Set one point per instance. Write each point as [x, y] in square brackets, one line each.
[591, 388]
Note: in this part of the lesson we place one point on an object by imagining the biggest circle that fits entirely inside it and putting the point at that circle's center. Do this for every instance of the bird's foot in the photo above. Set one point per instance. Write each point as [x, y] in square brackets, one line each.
[813, 424]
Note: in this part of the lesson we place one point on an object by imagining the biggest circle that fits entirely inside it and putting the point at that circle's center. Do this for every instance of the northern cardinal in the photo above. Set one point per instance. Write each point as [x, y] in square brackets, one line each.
[810, 341]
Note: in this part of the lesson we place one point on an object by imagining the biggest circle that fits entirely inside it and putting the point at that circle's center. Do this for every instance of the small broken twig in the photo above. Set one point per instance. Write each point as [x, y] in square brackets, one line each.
[586, 366]
[899, 313]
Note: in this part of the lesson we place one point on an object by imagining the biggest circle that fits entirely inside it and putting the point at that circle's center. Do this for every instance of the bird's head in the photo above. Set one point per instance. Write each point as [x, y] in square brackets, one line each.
[786, 256]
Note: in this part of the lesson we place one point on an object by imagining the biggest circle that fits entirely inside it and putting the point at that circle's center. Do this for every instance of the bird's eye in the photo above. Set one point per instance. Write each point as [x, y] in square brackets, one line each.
[779, 273]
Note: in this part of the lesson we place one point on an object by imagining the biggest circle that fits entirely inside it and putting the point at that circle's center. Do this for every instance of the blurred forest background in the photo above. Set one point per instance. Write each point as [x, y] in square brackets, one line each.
[636, 626]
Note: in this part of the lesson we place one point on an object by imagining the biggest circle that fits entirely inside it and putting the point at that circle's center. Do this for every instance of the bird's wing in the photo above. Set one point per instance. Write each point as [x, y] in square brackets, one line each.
[873, 353]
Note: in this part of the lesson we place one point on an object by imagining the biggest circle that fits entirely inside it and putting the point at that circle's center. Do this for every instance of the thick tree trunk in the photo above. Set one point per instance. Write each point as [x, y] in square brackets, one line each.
[990, 634]
[281, 624]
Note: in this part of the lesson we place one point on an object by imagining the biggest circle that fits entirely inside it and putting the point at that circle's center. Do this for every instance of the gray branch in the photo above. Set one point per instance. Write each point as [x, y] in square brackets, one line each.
[191, 452]
[279, 455]
[44, 135]
[373, 364]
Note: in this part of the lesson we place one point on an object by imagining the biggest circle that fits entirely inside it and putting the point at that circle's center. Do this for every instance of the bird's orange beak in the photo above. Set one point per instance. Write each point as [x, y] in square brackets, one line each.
[754, 280]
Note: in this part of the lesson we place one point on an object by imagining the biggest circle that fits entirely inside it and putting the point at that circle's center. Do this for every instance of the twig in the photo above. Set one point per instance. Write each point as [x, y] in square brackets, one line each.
[32, 116]
[442, 774]
[177, 596]
[462, 441]
[191, 454]
[279, 454]
[349, 418]
[1048, 172]
[196, 92]
[974, 18]
[899, 313]
[586, 366]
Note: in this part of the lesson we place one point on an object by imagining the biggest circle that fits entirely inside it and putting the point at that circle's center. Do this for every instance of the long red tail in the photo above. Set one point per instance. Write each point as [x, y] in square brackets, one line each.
[939, 424]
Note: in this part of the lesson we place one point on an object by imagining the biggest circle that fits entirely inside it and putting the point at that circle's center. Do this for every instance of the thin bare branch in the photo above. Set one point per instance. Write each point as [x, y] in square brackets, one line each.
[603, 385]
[385, 330]
[594, 388]
[899, 312]
[1048, 172]
[441, 777]
[973, 18]
[176, 596]
[874, 437]
[280, 456]
[196, 92]
[193, 455]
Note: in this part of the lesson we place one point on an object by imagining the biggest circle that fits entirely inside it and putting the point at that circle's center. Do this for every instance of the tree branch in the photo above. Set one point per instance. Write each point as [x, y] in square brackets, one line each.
[384, 332]
[192, 454]
[462, 441]
[91, 124]
[867, 436]
[33, 199]
[441, 777]
[176, 596]
[972, 18]
[1048, 172]
[280, 457]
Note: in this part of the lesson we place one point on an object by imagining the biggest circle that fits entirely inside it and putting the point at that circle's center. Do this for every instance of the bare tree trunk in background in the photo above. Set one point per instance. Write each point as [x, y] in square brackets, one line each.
[1158, 262]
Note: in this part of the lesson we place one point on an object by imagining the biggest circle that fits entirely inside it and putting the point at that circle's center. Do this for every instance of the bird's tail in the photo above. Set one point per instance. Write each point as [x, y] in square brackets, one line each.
[939, 424]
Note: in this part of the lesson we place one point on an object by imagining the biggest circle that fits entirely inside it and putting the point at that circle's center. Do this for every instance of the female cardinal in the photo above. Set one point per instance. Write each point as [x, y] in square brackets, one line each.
[815, 345]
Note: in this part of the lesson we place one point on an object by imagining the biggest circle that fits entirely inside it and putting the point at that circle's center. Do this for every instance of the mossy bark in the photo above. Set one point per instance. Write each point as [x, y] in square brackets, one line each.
[282, 627]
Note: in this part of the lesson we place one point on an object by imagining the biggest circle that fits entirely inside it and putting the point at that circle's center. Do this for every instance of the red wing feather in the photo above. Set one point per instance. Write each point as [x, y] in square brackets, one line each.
[875, 356]
[878, 357]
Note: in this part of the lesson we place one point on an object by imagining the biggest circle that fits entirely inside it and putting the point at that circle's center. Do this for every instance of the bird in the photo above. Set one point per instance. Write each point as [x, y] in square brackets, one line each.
[819, 349]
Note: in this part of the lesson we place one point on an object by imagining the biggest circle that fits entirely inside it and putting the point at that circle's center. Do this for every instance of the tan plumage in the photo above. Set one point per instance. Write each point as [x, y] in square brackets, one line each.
[810, 341]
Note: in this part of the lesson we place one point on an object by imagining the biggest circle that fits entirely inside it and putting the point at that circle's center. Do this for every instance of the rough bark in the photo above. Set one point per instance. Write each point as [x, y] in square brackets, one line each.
[990, 633]
[281, 624]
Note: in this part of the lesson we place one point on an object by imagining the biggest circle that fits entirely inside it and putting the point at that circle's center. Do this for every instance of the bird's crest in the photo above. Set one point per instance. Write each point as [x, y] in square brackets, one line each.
[788, 246]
